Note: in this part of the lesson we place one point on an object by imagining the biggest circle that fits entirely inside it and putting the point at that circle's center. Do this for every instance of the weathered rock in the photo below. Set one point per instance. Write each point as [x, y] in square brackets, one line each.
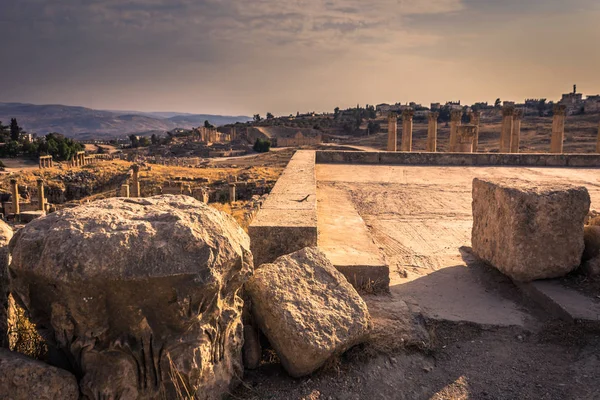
[23, 378]
[529, 231]
[307, 309]
[140, 294]
[6, 234]
[591, 238]
[252, 348]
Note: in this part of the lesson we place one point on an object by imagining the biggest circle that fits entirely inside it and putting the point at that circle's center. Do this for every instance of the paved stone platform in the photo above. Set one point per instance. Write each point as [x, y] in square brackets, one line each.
[420, 219]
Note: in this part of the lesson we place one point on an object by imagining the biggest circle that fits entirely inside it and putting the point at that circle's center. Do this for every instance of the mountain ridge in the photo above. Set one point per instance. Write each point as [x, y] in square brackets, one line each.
[83, 123]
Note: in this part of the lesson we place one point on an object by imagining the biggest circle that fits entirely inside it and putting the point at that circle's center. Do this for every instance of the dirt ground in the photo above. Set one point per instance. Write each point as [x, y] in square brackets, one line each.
[451, 327]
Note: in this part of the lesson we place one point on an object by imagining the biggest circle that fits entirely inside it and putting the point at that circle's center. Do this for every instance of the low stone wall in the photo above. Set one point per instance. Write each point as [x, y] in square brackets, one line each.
[287, 221]
[459, 159]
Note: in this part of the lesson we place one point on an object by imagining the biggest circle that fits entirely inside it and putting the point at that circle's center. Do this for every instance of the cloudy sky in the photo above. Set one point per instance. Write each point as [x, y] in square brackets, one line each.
[283, 56]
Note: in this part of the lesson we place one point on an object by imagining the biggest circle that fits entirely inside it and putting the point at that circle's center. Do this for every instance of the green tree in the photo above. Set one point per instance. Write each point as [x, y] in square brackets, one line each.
[257, 118]
[154, 139]
[336, 112]
[497, 103]
[262, 146]
[270, 116]
[135, 142]
[208, 124]
[15, 129]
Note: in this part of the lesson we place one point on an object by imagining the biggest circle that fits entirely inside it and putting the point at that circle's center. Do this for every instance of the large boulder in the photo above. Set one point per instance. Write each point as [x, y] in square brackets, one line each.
[307, 309]
[6, 234]
[529, 230]
[23, 378]
[142, 295]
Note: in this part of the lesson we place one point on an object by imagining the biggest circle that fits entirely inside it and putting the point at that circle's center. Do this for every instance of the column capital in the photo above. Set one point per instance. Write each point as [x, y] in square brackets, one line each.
[518, 114]
[466, 132]
[433, 115]
[456, 115]
[407, 114]
[559, 109]
[508, 111]
[392, 116]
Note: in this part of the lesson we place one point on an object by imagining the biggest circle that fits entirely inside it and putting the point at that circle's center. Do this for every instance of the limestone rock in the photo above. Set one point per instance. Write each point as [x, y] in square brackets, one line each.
[252, 348]
[6, 234]
[307, 309]
[591, 238]
[529, 231]
[142, 295]
[23, 378]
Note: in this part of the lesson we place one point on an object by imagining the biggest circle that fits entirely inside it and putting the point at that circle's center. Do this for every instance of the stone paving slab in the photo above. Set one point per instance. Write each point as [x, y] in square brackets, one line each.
[345, 239]
[563, 302]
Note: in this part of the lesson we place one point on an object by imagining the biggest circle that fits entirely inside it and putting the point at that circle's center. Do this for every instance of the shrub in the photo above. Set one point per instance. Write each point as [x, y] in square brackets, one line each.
[262, 146]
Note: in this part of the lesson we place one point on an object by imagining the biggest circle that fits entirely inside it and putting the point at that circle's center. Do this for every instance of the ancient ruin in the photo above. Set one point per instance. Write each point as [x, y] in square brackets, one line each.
[475, 119]
[392, 140]
[432, 127]
[45, 162]
[465, 138]
[507, 128]
[455, 121]
[515, 138]
[160, 294]
[558, 129]
[407, 130]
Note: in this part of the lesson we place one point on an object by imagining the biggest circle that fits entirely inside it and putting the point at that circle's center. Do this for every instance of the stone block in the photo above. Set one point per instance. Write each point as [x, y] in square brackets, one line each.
[307, 310]
[529, 231]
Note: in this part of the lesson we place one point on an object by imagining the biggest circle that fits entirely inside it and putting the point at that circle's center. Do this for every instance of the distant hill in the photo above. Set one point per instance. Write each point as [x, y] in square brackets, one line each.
[86, 123]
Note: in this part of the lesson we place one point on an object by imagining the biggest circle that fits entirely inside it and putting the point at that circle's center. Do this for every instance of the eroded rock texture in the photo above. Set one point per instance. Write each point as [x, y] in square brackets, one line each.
[23, 378]
[140, 294]
[6, 234]
[529, 231]
[307, 309]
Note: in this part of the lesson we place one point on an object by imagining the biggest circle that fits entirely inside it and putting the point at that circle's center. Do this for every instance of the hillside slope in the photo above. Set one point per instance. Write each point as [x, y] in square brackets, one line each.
[85, 123]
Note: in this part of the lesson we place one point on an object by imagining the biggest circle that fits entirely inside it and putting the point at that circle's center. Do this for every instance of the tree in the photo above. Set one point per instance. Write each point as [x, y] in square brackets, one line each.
[261, 146]
[208, 124]
[270, 116]
[541, 107]
[257, 118]
[336, 112]
[154, 139]
[497, 103]
[15, 130]
[135, 142]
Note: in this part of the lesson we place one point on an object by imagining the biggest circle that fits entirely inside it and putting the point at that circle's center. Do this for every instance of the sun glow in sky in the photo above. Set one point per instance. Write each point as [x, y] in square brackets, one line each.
[253, 56]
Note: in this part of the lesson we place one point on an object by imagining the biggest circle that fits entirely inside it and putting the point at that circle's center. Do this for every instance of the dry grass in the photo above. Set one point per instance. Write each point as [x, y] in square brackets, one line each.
[22, 334]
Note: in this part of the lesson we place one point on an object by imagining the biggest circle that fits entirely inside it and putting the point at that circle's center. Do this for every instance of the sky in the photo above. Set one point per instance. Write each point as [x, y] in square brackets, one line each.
[257, 56]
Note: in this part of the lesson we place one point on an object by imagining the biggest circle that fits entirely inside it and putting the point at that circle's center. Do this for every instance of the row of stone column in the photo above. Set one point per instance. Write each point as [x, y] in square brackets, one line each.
[14, 187]
[462, 137]
[45, 162]
[465, 137]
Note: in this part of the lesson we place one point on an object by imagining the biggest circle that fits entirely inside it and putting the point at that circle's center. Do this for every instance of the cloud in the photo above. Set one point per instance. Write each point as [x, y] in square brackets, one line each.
[244, 56]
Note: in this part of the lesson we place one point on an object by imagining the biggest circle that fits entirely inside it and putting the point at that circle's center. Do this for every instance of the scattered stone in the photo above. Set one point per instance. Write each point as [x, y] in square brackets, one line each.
[6, 234]
[307, 309]
[23, 378]
[529, 231]
[142, 295]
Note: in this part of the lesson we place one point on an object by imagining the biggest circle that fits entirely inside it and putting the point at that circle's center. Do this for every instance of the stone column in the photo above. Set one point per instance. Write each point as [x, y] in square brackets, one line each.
[41, 197]
[466, 137]
[455, 118]
[598, 140]
[392, 132]
[15, 196]
[41, 162]
[407, 130]
[507, 127]
[558, 129]
[124, 191]
[432, 131]
[135, 181]
[515, 140]
[231, 192]
[475, 119]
